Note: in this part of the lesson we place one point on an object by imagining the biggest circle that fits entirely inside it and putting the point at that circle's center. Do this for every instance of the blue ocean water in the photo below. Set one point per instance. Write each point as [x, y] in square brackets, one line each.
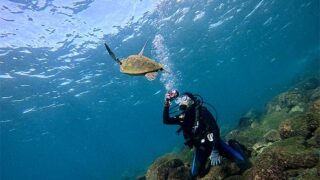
[66, 112]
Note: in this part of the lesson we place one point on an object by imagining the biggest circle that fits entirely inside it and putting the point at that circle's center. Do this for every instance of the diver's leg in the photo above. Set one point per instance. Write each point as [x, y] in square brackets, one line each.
[245, 164]
[201, 155]
[195, 163]
[237, 146]
[229, 152]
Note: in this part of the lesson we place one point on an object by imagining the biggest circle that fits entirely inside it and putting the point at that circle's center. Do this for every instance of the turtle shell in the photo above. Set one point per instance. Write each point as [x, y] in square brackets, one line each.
[139, 65]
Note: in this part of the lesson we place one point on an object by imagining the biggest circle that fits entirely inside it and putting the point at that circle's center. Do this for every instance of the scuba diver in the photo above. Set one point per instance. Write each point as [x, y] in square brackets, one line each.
[200, 130]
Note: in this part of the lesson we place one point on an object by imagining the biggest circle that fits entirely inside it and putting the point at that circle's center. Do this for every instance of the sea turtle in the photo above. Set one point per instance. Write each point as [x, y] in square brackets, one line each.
[138, 64]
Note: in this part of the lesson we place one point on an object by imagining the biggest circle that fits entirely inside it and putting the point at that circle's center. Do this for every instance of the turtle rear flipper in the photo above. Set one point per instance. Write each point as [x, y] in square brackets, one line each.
[166, 71]
[112, 54]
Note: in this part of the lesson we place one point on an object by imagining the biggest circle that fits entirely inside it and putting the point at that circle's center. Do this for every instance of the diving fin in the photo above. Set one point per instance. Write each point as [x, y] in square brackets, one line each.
[231, 152]
[112, 54]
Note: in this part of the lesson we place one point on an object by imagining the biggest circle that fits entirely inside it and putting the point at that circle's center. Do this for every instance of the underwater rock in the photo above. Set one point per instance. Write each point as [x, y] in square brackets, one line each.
[302, 174]
[281, 156]
[245, 122]
[259, 147]
[313, 120]
[318, 168]
[309, 84]
[232, 168]
[313, 115]
[178, 173]
[247, 119]
[236, 177]
[215, 173]
[253, 134]
[185, 155]
[246, 137]
[314, 107]
[315, 94]
[296, 108]
[315, 139]
[285, 129]
[224, 170]
[286, 101]
[295, 99]
[254, 125]
[299, 125]
[272, 136]
[168, 168]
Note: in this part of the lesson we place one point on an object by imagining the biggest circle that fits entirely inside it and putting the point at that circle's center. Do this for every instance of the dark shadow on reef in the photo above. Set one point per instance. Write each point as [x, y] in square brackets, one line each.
[282, 143]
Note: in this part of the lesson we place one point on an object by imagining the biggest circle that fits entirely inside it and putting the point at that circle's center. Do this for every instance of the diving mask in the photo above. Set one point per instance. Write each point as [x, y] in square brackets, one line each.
[184, 102]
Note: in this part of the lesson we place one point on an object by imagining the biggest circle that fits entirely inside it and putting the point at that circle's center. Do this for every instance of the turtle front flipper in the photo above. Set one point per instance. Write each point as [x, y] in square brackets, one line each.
[151, 76]
[112, 54]
[141, 52]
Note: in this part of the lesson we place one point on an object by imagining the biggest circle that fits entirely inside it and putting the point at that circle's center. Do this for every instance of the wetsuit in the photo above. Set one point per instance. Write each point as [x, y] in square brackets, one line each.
[195, 132]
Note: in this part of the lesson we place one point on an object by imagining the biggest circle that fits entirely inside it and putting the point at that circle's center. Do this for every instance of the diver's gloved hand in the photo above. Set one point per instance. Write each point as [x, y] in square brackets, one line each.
[171, 95]
[215, 158]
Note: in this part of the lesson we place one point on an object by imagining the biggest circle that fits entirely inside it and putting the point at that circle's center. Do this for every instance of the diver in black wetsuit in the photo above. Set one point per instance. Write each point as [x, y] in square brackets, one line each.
[200, 130]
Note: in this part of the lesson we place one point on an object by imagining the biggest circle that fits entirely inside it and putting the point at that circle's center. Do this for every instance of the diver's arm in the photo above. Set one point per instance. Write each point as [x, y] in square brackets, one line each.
[213, 130]
[166, 117]
[213, 135]
[211, 124]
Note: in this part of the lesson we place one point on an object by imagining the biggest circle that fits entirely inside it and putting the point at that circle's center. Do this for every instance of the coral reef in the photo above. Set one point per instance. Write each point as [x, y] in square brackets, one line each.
[284, 141]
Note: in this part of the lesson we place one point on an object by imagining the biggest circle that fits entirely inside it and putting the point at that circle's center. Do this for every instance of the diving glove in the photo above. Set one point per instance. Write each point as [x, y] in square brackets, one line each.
[215, 158]
[171, 95]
